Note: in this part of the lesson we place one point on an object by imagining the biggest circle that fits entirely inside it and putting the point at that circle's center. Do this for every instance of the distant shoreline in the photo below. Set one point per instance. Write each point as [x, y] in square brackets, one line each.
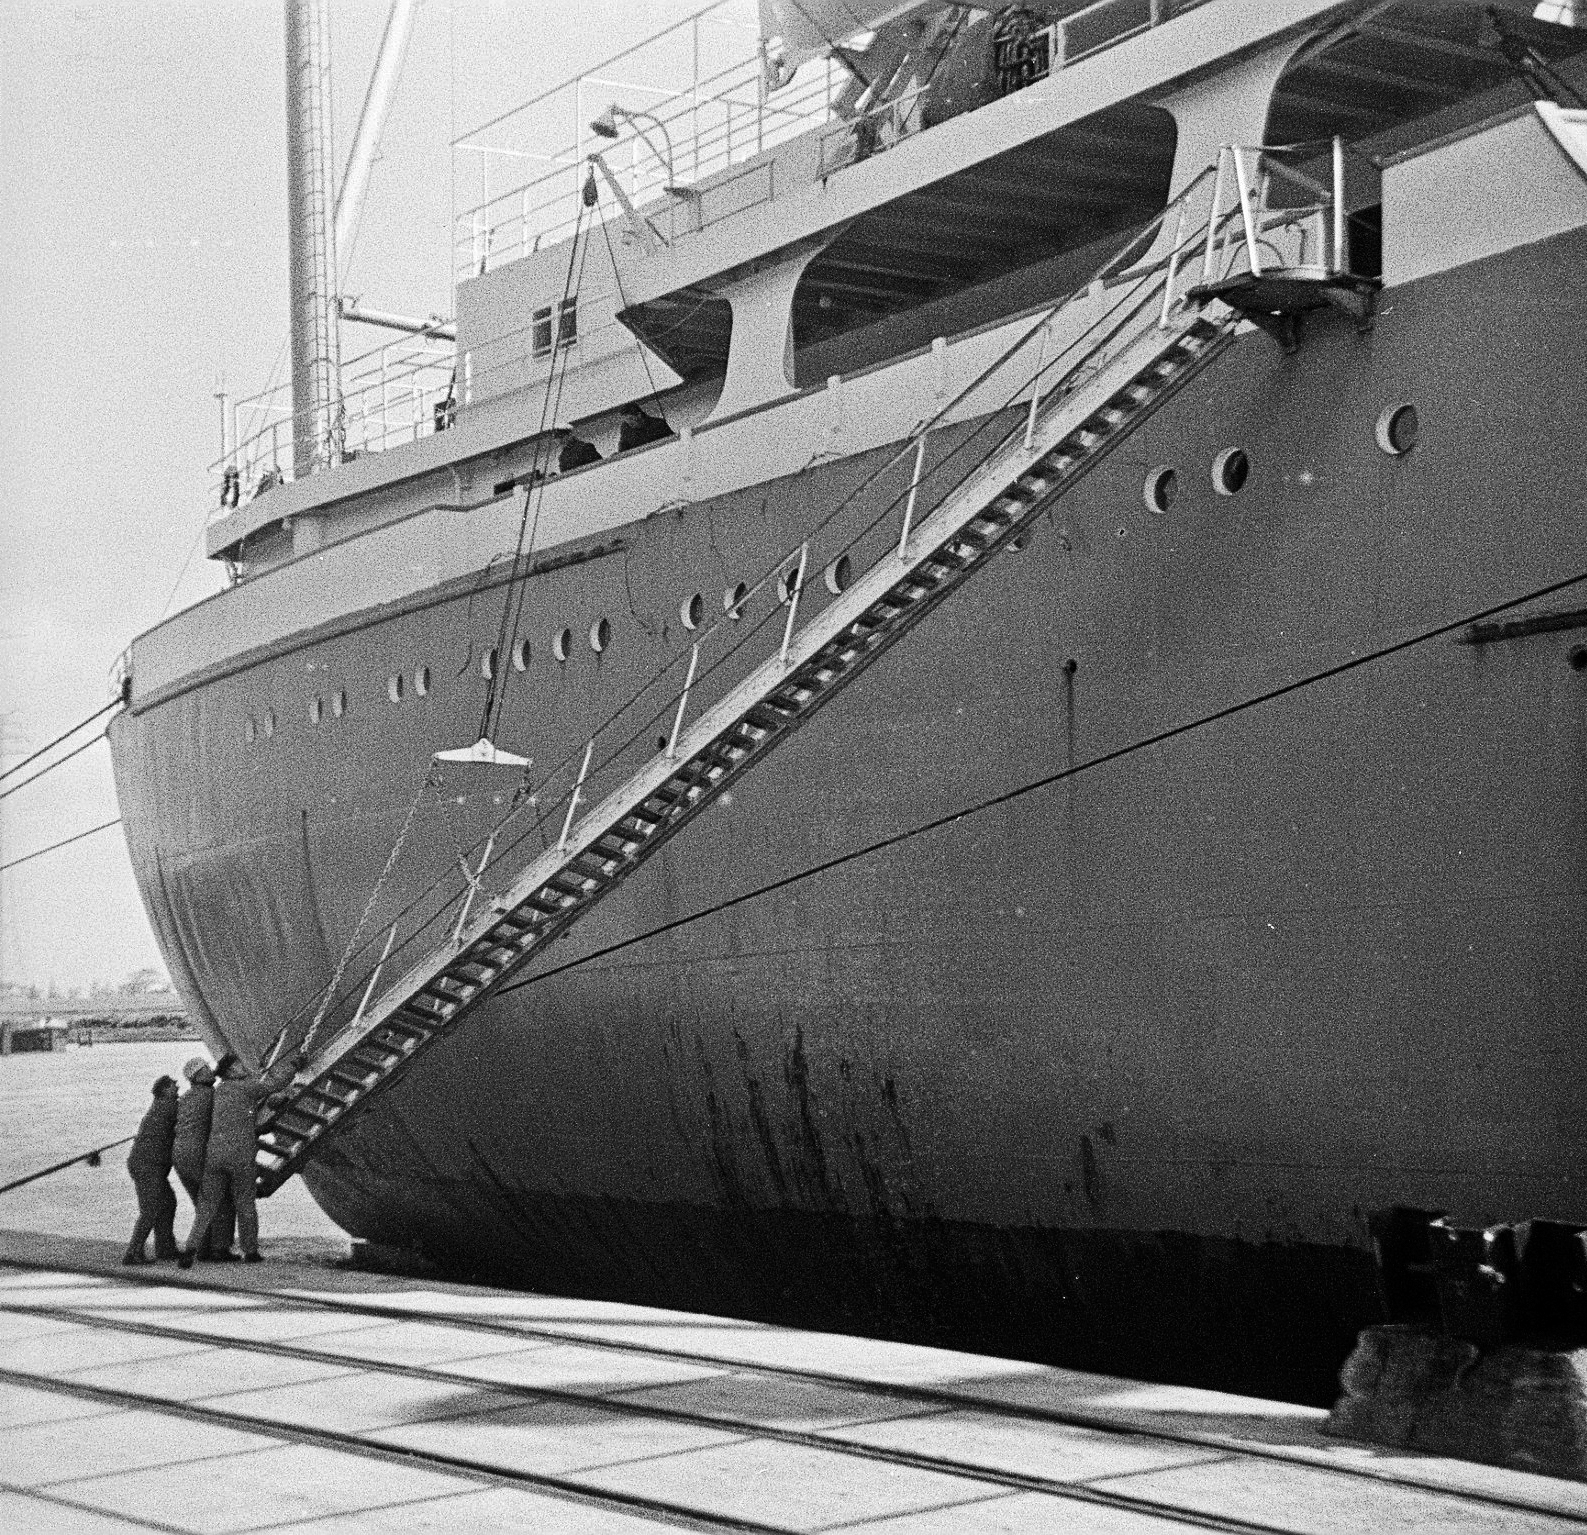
[86, 1036]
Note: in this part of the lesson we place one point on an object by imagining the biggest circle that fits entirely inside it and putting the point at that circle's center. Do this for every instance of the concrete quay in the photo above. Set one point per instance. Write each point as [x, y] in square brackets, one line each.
[301, 1396]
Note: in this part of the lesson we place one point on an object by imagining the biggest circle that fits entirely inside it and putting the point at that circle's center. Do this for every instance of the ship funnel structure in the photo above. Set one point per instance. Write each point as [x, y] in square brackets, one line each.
[311, 231]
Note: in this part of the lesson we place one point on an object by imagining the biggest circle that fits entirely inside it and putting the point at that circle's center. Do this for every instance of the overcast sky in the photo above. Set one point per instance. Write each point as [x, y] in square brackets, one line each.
[143, 221]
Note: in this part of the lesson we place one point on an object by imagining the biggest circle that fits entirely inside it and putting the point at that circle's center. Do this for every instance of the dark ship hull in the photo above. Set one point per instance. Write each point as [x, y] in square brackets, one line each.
[1106, 1069]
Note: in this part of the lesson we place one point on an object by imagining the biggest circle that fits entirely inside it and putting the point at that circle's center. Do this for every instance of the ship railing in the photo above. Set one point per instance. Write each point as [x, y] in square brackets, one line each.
[1286, 208]
[1147, 284]
[870, 132]
[665, 142]
[676, 128]
[1108, 23]
[395, 393]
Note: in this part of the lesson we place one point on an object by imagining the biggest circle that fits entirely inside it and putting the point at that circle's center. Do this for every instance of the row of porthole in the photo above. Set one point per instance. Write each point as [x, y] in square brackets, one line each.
[600, 639]
[1396, 432]
[836, 577]
[561, 647]
[264, 724]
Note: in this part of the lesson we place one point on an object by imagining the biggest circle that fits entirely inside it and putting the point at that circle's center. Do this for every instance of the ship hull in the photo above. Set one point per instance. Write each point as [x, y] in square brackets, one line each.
[1103, 1065]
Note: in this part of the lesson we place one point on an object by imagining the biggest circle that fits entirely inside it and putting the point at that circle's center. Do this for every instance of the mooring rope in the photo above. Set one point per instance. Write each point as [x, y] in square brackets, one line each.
[90, 1157]
[17, 767]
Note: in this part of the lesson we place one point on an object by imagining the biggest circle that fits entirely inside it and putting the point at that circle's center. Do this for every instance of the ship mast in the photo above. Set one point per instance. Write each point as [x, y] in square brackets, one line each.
[311, 232]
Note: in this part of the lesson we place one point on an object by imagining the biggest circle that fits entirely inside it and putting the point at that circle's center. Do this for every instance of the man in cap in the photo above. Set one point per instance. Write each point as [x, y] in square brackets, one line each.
[233, 1146]
[187, 1156]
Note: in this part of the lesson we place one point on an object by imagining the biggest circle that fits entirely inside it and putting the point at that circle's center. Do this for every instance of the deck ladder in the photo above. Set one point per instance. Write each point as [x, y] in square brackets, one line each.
[1125, 379]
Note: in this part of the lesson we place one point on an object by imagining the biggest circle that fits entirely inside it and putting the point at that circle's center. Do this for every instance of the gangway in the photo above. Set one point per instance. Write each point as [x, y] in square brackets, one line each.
[1163, 341]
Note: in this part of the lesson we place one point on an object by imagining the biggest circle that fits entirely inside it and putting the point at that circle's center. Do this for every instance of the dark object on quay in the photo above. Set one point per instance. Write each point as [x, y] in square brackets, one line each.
[1486, 1285]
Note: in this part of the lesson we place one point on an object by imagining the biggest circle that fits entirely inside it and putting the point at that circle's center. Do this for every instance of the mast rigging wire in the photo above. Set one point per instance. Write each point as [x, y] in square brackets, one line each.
[64, 842]
[17, 767]
[48, 768]
[539, 471]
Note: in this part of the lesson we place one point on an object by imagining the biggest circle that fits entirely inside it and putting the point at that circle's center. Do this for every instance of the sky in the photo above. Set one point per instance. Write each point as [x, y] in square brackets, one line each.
[143, 257]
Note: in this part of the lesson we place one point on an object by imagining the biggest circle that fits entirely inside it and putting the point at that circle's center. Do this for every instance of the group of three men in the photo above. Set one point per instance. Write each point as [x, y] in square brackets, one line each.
[209, 1136]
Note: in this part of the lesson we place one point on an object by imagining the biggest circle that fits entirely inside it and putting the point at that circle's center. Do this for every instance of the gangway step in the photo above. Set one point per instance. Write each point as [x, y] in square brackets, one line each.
[615, 837]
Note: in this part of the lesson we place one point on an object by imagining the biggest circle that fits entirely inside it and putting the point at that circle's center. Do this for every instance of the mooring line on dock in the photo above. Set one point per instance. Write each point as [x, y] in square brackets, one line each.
[91, 1157]
[1085, 1492]
[373, 1449]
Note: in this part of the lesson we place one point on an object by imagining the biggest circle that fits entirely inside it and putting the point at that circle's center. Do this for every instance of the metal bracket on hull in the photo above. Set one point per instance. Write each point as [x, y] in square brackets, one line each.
[1278, 300]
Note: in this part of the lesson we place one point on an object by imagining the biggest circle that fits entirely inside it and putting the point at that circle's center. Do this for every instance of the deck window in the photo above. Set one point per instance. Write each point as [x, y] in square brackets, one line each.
[540, 332]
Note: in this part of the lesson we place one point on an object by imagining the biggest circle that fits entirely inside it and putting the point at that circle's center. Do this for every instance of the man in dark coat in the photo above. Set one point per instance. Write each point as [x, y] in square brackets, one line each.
[638, 427]
[573, 452]
[193, 1111]
[229, 1160]
[149, 1164]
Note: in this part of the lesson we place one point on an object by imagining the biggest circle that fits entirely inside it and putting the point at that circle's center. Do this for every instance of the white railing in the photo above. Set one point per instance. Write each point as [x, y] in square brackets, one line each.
[678, 120]
[1277, 209]
[394, 394]
[675, 126]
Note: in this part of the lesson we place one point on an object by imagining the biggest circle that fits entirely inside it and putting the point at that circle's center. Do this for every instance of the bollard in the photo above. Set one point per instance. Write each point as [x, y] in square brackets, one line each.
[1552, 1291]
[1475, 1271]
[1403, 1248]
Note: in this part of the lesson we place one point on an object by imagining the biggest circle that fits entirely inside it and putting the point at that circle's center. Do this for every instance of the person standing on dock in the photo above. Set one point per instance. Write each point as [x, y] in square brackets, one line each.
[149, 1163]
[233, 1147]
[193, 1113]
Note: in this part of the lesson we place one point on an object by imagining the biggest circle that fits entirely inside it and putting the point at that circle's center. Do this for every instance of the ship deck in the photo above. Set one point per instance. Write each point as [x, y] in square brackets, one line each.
[295, 1396]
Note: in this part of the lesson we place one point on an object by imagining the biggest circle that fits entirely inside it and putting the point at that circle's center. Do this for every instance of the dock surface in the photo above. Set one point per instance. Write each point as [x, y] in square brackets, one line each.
[297, 1397]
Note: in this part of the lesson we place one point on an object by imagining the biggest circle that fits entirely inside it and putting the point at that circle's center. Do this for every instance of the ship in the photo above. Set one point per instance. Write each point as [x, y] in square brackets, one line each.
[1198, 870]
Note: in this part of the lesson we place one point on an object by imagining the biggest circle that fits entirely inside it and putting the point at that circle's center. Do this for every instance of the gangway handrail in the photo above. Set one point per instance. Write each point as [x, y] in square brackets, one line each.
[1132, 242]
[998, 495]
[1106, 274]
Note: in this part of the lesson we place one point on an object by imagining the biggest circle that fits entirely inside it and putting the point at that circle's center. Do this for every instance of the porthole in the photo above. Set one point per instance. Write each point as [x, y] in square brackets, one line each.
[1230, 470]
[839, 573]
[787, 585]
[338, 703]
[692, 611]
[394, 687]
[249, 730]
[1398, 428]
[733, 600]
[421, 681]
[600, 635]
[520, 656]
[487, 664]
[316, 709]
[268, 723]
[562, 645]
[1161, 489]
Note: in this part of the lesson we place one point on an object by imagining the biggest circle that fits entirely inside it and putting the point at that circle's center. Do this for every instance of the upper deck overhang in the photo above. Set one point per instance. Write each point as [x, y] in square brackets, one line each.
[1202, 41]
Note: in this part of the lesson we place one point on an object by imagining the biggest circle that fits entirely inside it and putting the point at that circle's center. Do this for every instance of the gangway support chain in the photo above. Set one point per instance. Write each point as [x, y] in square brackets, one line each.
[1021, 477]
